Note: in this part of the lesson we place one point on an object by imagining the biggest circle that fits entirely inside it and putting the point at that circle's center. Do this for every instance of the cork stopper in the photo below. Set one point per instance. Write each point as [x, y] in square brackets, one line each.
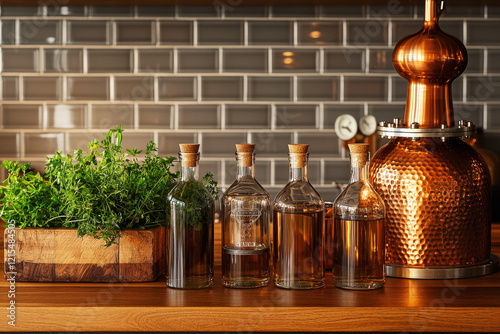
[245, 153]
[359, 154]
[298, 148]
[189, 154]
[298, 155]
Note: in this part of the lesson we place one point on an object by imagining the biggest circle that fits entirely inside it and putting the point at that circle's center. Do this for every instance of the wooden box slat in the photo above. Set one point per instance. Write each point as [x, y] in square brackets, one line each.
[59, 255]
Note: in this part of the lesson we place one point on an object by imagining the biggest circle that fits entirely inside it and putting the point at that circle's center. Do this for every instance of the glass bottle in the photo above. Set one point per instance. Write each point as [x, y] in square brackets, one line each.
[246, 213]
[190, 232]
[359, 232]
[298, 228]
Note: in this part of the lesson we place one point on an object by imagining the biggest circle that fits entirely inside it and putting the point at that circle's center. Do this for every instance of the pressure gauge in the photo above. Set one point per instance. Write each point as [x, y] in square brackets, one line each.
[346, 127]
[368, 125]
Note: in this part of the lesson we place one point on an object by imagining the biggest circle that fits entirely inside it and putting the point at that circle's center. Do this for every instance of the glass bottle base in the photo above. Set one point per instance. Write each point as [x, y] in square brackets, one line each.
[191, 283]
[245, 283]
[359, 284]
[300, 285]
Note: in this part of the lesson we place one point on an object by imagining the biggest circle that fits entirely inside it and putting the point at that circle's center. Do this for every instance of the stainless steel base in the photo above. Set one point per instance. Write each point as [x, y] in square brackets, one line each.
[485, 268]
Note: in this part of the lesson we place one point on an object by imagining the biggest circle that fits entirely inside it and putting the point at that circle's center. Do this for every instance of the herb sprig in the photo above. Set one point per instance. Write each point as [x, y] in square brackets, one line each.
[98, 192]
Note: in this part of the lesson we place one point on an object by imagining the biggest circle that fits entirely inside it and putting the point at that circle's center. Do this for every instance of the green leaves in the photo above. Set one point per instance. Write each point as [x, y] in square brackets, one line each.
[99, 192]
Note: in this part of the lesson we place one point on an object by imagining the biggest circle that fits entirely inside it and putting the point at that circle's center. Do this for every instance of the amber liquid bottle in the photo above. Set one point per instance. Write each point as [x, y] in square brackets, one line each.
[298, 228]
[190, 231]
[245, 226]
[358, 235]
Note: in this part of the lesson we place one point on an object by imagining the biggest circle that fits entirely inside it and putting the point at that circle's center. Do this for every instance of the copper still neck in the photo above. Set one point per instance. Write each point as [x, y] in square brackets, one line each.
[430, 60]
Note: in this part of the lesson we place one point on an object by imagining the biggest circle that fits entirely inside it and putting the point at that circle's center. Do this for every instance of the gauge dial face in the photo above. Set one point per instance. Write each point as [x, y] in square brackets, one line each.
[346, 126]
[368, 125]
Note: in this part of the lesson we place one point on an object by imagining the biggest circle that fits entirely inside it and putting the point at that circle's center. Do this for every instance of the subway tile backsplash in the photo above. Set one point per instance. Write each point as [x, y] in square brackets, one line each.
[216, 75]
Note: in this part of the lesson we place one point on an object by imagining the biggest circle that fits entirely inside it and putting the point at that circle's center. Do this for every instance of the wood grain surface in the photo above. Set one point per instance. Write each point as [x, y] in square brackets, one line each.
[59, 255]
[463, 305]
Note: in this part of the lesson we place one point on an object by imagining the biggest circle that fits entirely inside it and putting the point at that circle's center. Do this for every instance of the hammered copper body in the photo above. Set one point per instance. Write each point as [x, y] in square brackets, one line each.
[436, 191]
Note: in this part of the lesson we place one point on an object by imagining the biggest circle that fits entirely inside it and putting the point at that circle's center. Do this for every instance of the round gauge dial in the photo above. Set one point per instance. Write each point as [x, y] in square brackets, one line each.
[368, 125]
[346, 126]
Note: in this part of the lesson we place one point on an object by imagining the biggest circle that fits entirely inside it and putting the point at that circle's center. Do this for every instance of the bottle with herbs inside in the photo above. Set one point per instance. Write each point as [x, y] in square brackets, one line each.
[359, 241]
[245, 226]
[190, 231]
[298, 228]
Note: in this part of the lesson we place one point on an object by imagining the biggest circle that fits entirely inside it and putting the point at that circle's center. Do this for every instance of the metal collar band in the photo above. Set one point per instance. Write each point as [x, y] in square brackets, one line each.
[396, 129]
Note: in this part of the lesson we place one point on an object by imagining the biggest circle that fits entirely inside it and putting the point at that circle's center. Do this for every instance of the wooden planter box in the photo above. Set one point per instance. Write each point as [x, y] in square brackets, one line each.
[59, 255]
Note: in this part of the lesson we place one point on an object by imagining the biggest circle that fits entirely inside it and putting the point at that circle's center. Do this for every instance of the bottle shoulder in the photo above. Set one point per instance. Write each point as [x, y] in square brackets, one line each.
[358, 200]
[299, 194]
[246, 187]
[191, 191]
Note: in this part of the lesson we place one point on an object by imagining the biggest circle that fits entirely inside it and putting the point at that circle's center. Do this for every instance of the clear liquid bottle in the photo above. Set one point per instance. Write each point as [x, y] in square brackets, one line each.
[245, 226]
[298, 228]
[359, 231]
[190, 231]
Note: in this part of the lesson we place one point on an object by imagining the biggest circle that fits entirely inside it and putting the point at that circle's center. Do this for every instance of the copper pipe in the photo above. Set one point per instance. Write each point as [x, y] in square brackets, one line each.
[430, 60]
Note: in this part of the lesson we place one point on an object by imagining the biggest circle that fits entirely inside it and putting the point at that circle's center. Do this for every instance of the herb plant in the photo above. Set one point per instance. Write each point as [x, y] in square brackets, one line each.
[98, 192]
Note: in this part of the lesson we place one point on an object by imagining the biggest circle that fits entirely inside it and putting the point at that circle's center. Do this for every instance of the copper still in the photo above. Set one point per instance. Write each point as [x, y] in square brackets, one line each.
[436, 187]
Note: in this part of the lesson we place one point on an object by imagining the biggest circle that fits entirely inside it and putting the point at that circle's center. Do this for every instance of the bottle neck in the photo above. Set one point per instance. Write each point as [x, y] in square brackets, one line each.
[189, 166]
[359, 169]
[298, 167]
[189, 173]
[246, 165]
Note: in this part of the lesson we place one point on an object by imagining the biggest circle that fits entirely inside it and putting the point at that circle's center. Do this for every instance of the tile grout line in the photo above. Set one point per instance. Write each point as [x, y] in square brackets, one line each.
[294, 88]
[111, 88]
[321, 61]
[156, 90]
[485, 116]
[86, 118]
[135, 61]
[245, 88]
[172, 118]
[17, 31]
[90, 116]
[389, 89]
[464, 89]
[319, 116]
[222, 116]
[64, 89]
[85, 60]
[195, 32]
[322, 172]
[220, 60]
[295, 33]
[22, 144]
[333, 47]
[341, 89]
[64, 32]
[21, 88]
[42, 116]
[198, 88]
[389, 32]
[245, 33]
[136, 116]
[176, 116]
[485, 61]
[272, 172]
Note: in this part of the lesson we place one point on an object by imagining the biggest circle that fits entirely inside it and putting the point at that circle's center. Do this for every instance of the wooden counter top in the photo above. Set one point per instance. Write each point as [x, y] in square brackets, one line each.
[402, 305]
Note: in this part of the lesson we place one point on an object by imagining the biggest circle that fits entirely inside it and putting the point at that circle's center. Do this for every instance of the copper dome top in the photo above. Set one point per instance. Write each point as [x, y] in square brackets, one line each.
[430, 60]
